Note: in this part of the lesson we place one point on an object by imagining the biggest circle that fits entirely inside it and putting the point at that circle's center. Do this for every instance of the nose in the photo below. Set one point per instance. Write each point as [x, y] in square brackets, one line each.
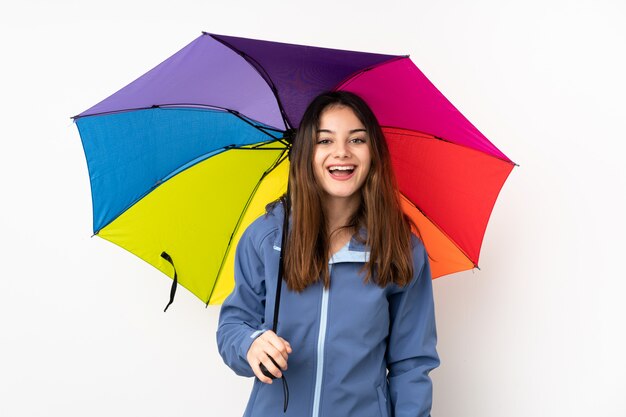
[341, 150]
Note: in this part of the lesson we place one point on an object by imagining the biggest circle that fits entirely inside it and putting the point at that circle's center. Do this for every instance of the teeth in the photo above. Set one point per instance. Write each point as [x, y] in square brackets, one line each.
[342, 168]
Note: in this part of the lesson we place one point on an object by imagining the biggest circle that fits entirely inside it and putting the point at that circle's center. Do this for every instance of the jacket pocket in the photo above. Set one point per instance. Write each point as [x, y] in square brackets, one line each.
[382, 402]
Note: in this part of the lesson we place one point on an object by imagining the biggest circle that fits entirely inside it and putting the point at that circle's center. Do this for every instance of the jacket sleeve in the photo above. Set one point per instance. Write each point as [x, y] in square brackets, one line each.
[241, 314]
[411, 350]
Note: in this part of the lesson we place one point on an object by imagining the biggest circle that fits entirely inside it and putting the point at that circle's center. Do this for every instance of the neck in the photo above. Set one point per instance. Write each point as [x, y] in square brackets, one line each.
[339, 210]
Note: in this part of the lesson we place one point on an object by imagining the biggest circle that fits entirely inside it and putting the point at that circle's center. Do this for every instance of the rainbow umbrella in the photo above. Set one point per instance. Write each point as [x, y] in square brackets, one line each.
[184, 158]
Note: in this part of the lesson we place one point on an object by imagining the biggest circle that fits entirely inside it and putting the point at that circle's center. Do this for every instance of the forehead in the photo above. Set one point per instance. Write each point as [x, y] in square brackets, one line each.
[339, 117]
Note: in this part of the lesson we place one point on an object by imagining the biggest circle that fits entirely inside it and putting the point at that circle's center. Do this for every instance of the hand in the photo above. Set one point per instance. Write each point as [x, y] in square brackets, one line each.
[267, 346]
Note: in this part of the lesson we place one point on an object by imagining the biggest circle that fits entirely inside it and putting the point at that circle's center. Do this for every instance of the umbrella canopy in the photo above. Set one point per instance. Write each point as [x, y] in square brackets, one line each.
[184, 158]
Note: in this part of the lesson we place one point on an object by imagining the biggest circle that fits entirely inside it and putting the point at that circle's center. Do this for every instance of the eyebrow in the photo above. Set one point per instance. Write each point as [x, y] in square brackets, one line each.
[330, 131]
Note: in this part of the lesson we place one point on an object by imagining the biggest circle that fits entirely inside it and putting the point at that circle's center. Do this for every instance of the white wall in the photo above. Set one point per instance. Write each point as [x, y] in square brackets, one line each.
[538, 331]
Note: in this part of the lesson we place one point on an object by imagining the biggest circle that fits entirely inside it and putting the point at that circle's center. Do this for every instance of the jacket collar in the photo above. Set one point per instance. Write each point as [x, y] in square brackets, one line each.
[353, 251]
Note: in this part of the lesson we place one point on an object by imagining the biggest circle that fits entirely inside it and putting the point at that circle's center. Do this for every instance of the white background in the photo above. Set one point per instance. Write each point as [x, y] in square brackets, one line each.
[538, 331]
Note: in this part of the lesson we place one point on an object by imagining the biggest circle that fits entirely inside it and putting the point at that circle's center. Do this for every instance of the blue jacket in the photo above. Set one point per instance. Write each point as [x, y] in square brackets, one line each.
[358, 349]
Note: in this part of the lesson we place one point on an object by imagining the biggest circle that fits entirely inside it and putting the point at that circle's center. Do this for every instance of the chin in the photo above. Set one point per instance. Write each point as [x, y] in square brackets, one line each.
[347, 194]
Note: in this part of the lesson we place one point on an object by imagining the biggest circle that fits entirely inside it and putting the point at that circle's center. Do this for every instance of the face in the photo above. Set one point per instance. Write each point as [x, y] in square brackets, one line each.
[341, 158]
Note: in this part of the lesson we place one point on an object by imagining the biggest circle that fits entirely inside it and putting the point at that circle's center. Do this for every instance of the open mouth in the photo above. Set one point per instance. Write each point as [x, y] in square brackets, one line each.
[341, 171]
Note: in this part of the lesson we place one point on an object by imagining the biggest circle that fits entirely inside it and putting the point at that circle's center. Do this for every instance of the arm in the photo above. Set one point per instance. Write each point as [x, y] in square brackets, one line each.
[241, 315]
[411, 350]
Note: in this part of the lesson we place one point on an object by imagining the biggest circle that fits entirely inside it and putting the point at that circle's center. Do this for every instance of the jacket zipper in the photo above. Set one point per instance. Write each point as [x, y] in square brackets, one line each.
[320, 349]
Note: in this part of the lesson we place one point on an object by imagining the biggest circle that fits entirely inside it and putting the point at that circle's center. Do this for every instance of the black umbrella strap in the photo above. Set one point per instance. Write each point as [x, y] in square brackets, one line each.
[285, 394]
[168, 258]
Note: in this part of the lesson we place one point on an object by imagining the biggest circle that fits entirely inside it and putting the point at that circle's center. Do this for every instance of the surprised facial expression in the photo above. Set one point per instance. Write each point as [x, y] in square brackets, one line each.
[341, 159]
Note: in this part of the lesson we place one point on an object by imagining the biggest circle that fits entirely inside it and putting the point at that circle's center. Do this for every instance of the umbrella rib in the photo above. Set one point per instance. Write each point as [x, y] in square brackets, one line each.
[258, 148]
[350, 77]
[406, 132]
[261, 128]
[197, 106]
[262, 72]
[277, 162]
[188, 106]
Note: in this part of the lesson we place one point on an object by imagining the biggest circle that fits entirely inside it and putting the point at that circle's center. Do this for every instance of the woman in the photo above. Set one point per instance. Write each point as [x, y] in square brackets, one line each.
[356, 329]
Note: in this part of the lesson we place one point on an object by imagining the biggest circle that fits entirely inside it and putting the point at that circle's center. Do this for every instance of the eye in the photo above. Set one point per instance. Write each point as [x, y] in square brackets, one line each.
[358, 140]
[323, 141]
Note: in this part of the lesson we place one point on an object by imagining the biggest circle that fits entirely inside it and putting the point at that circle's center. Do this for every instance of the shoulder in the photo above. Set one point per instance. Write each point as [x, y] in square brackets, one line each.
[418, 249]
[265, 229]
[421, 261]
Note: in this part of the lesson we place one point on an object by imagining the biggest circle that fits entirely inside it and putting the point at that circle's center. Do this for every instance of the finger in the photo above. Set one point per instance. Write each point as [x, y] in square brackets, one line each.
[254, 356]
[289, 350]
[275, 354]
[273, 369]
[278, 344]
[259, 374]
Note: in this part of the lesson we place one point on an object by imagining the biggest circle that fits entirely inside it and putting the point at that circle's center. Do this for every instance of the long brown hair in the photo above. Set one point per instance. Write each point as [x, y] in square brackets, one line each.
[388, 229]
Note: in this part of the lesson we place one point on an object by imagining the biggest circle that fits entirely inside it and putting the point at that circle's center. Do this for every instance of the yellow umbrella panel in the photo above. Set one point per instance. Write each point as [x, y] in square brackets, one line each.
[198, 215]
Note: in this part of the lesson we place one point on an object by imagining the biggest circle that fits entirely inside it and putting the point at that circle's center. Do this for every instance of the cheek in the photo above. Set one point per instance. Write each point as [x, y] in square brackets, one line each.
[317, 171]
[318, 163]
[317, 174]
[367, 163]
[367, 175]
